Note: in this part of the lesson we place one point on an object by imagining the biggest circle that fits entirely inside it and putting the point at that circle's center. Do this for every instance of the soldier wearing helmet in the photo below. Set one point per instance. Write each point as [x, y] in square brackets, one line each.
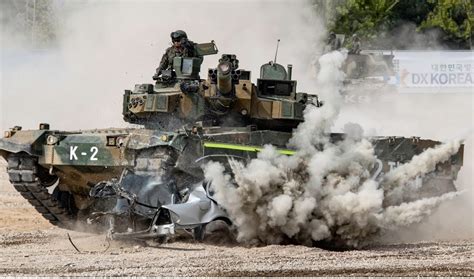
[355, 45]
[182, 47]
[333, 43]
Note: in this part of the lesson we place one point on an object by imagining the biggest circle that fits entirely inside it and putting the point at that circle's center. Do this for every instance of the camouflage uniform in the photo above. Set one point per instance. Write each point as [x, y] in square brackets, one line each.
[333, 43]
[355, 48]
[184, 51]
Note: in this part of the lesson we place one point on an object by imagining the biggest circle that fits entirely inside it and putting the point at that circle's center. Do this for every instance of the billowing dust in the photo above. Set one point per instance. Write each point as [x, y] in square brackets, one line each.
[326, 191]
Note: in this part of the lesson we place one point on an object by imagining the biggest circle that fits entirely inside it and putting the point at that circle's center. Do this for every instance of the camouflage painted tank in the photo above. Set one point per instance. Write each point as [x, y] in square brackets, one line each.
[148, 181]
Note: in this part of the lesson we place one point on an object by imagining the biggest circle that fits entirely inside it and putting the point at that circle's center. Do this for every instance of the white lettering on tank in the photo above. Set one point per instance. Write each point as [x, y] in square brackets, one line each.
[72, 153]
[379, 169]
[94, 151]
[392, 165]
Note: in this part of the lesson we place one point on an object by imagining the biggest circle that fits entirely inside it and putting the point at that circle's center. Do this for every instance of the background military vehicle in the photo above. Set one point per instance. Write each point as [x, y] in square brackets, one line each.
[369, 64]
[122, 178]
[369, 73]
[361, 64]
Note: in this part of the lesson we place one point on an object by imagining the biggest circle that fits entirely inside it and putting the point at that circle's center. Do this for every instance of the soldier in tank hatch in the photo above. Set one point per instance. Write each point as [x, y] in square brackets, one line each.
[333, 43]
[355, 45]
[182, 47]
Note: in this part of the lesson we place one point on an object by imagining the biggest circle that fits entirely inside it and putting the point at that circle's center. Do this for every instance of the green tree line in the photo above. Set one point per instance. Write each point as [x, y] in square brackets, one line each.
[402, 23]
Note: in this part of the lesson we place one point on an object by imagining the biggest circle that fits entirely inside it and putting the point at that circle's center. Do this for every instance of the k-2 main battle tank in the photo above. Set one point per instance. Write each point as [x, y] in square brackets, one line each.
[147, 182]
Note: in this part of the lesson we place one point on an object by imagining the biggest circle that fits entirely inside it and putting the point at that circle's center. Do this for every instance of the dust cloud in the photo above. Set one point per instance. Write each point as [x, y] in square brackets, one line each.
[105, 47]
[325, 192]
[429, 114]
[440, 116]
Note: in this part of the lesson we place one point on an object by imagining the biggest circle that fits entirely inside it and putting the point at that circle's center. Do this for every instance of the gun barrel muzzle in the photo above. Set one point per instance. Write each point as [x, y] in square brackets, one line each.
[224, 78]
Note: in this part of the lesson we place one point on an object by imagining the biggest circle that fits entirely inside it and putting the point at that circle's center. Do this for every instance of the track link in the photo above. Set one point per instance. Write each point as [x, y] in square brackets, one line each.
[22, 170]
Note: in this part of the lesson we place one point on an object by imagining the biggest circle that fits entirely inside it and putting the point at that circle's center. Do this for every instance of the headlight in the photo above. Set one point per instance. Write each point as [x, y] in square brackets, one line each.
[51, 140]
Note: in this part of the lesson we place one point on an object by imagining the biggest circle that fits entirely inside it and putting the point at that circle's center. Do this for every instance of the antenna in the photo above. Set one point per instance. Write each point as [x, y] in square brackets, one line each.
[276, 52]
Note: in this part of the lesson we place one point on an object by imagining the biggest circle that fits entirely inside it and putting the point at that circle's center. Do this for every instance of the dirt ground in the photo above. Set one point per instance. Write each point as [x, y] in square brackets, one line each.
[29, 245]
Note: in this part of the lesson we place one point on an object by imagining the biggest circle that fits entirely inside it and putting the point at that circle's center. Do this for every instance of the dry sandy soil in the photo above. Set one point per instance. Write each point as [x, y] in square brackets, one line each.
[31, 246]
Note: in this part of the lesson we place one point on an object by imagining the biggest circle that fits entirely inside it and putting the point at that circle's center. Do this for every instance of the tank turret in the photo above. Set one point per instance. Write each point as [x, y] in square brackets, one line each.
[226, 97]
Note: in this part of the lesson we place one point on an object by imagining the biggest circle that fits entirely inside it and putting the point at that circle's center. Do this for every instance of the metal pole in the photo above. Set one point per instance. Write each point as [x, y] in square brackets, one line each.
[276, 52]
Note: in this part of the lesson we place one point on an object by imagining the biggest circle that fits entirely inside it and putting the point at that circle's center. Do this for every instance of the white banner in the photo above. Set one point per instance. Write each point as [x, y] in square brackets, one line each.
[441, 69]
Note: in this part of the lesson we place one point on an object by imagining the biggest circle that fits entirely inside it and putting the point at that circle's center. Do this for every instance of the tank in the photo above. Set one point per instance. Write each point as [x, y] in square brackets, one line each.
[368, 73]
[147, 182]
[362, 64]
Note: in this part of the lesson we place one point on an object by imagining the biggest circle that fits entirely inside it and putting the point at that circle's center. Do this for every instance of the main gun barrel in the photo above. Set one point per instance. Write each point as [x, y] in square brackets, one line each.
[224, 78]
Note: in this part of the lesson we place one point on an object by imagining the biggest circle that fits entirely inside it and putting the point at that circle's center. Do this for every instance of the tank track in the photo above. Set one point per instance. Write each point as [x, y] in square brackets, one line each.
[22, 170]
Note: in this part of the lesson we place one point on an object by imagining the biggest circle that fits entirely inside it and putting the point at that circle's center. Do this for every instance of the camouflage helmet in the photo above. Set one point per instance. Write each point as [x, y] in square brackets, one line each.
[178, 35]
[355, 38]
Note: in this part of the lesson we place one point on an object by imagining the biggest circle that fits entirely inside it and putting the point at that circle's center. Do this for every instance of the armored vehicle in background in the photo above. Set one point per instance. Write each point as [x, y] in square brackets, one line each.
[361, 64]
[148, 181]
[369, 64]
[369, 73]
